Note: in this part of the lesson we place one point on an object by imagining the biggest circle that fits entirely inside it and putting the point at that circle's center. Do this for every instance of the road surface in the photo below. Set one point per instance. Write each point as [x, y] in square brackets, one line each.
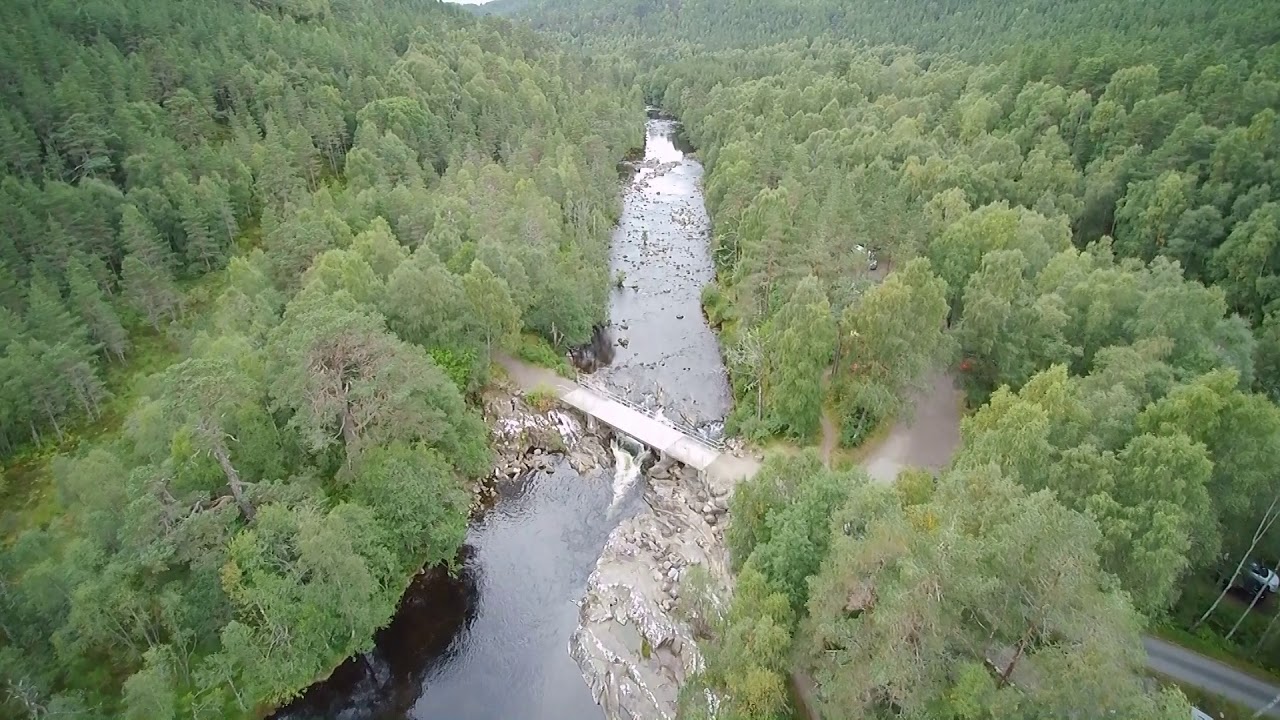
[1210, 675]
[925, 437]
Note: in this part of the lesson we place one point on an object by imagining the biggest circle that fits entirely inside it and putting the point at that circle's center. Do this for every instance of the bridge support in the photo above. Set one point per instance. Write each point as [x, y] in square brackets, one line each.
[591, 422]
[664, 461]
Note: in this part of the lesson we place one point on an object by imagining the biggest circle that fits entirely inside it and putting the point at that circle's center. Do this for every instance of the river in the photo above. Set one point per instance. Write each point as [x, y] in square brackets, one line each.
[662, 249]
[492, 642]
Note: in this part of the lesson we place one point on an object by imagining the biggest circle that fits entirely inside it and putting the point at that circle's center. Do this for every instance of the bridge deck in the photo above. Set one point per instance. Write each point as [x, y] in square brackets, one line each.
[647, 429]
[650, 431]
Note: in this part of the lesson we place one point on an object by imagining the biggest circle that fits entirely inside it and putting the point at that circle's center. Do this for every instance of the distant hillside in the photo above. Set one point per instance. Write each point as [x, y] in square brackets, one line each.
[967, 27]
[499, 7]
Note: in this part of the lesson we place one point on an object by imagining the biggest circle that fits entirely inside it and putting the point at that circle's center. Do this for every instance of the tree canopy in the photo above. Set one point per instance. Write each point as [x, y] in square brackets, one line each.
[254, 260]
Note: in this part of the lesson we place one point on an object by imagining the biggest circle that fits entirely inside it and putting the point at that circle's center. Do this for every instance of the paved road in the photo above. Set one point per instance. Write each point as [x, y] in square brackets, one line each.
[1210, 675]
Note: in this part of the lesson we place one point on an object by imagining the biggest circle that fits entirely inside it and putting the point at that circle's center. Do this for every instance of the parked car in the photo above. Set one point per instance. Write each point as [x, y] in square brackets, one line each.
[1258, 576]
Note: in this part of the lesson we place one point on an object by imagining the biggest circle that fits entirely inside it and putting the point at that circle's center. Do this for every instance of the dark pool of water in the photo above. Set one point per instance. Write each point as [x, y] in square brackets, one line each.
[491, 643]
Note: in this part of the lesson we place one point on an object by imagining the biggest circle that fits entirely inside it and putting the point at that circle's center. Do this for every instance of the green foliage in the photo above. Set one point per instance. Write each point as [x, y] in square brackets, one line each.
[418, 500]
[982, 573]
[539, 352]
[715, 306]
[289, 441]
[542, 398]
[889, 340]
[798, 343]
[461, 366]
[698, 602]
[799, 533]
[779, 536]
[748, 659]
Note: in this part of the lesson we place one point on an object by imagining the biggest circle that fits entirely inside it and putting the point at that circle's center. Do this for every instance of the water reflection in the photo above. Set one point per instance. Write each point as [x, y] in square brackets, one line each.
[491, 644]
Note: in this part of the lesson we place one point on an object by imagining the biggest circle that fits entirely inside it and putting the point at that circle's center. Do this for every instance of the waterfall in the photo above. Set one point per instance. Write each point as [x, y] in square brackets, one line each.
[626, 471]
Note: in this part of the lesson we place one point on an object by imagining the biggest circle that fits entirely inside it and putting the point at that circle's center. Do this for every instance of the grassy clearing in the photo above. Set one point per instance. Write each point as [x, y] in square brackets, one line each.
[542, 398]
[26, 489]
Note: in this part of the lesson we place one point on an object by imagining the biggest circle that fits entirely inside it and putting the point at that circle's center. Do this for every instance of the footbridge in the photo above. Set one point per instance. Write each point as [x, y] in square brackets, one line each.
[673, 439]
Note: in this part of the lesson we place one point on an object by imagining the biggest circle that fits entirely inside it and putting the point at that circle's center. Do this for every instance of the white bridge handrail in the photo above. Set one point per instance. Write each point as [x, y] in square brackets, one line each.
[688, 431]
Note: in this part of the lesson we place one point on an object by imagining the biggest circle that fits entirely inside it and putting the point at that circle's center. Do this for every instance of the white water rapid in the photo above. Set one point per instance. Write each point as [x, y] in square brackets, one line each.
[626, 472]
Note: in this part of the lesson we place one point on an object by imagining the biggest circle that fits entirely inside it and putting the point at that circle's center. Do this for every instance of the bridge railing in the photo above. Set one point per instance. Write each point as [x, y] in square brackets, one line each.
[685, 429]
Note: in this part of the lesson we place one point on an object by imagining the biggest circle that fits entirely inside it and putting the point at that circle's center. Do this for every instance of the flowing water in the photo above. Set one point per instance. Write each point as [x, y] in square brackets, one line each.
[661, 251]
[492, 642]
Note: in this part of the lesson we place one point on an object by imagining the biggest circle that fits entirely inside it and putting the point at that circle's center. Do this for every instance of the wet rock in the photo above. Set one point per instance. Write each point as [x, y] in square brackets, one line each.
[638, 572]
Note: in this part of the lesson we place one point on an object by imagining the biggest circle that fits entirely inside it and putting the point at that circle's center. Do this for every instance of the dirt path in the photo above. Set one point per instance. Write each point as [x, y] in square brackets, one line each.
[830, 431]
[927, 437]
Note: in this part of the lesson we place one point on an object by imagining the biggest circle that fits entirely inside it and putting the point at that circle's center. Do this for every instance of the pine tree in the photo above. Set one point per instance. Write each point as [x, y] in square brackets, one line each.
[150, 290]
[95, 312]
[140, 239]
[48, 319]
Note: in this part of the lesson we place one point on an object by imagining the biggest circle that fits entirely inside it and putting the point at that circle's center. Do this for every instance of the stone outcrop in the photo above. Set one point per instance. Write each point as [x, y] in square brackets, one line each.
[526, 439]
[633, 644]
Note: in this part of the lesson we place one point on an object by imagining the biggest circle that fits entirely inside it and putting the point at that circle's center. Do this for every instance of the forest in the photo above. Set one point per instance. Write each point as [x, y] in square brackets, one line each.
[254, 257]
[1074, 205]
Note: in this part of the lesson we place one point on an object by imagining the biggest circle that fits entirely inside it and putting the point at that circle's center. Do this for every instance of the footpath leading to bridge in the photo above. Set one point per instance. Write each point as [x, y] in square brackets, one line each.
[658, 433]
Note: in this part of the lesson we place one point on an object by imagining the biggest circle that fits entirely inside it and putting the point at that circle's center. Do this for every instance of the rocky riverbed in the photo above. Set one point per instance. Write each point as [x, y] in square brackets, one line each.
[634, 645]
[525, 439]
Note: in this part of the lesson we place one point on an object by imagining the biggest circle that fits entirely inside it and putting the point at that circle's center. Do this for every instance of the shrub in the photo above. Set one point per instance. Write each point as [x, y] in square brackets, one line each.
[542, 398]
[538, 351]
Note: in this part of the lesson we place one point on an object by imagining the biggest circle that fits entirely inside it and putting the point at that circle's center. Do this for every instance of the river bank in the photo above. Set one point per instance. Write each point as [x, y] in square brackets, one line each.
[565, 527]
[503, 618]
